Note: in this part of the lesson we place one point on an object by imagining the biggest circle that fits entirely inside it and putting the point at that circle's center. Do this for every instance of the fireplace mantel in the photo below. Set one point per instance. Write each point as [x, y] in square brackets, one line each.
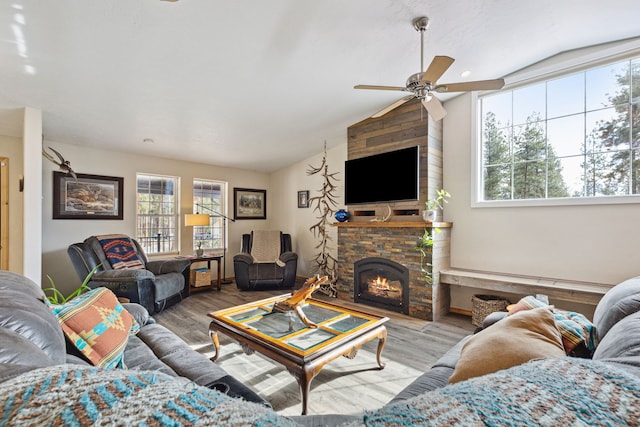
[397, 241]
[394, 224]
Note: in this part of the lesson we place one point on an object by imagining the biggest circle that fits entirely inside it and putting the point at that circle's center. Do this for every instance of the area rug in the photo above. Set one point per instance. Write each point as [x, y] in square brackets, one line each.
[332, 391]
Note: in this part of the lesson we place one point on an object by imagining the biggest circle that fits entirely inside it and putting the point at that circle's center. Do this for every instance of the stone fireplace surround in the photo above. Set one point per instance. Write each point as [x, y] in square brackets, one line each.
[405, 126]
[396, 241]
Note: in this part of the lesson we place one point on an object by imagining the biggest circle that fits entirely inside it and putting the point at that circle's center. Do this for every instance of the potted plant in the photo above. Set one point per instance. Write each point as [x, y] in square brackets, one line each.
[430, 214]
[56, 297]
[425, 246]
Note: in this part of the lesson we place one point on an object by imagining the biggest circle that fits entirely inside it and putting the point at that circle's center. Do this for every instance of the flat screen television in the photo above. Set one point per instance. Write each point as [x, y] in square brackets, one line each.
[386, 177]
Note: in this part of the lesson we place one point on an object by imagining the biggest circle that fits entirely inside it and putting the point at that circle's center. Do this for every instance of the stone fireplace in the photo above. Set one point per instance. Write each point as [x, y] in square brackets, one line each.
[391, 231]
[395, 243]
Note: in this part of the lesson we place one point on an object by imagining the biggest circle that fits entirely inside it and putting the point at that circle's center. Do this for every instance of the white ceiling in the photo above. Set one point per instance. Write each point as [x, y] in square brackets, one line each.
[259, 84]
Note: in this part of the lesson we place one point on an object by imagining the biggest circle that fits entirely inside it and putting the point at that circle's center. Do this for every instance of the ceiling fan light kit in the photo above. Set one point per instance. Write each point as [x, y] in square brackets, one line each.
[424, 83]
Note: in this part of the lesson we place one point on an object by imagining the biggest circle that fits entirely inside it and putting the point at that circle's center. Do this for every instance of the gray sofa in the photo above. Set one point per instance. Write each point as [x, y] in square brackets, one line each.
[603, 390]
[31, 338]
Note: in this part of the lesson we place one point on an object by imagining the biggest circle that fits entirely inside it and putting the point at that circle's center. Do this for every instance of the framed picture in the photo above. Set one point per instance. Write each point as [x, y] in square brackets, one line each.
[249, 204]
[303, 199]
[88, 197]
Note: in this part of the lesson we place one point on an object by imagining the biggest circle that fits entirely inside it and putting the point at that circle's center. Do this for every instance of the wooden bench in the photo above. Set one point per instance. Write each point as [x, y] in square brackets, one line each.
[581, 292]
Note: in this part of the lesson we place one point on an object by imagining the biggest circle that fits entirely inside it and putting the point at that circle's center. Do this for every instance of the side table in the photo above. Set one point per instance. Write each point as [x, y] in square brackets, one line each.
[207, 259]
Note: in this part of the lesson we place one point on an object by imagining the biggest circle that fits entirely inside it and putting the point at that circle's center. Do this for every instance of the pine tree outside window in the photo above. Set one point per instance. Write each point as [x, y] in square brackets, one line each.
[157, 213]
[209, 197]
[576, 136]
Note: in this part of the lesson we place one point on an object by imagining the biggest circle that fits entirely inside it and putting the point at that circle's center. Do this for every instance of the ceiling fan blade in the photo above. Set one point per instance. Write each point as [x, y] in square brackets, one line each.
[470, 86]
[436, 69]
[379, 87]
[390, 107]
[435, 108]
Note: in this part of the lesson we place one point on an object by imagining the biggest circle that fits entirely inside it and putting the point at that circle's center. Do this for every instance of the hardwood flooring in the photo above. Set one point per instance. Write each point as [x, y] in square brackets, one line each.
[344, 386]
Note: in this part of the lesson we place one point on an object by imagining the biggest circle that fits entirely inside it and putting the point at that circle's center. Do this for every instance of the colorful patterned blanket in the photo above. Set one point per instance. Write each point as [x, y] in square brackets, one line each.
[119, 250]
[549, 392]
[546, 392]
[70, 395]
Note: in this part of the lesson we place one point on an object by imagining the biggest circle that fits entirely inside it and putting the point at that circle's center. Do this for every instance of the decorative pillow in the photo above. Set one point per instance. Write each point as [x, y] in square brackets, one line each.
[523, 336]
[98, 325]
[119, 250]
[578, 333]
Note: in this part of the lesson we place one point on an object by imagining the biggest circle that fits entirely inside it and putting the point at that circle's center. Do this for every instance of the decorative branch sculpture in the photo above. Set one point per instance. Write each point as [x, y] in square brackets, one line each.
[324, 204]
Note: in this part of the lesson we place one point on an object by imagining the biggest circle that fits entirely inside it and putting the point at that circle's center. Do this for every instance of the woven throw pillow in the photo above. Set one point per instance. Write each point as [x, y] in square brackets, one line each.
[119, 250]
[97, 325]
[526, 335]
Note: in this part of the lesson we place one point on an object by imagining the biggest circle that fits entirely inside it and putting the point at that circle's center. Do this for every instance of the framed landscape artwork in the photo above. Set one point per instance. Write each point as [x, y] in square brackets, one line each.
[249, 203]
[88, 197]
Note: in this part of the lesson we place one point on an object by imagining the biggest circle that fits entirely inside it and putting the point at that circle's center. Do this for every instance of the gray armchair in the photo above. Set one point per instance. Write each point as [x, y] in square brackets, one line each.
[159, 284]
[277, 273]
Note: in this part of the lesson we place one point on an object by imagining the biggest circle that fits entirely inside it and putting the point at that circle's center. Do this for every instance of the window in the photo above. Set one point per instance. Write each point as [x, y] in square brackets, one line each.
[209, 198]
[576, 136]
[157, 213]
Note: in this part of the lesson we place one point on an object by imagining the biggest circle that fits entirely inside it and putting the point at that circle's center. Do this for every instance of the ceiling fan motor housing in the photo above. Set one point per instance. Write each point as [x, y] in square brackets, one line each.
[414, 84]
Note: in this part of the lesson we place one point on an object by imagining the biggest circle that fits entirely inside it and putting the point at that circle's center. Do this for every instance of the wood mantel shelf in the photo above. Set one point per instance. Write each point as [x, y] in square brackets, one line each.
[393, 224]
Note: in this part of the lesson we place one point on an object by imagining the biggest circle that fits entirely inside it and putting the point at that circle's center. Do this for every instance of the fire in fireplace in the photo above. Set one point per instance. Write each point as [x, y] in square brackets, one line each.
[381, 282]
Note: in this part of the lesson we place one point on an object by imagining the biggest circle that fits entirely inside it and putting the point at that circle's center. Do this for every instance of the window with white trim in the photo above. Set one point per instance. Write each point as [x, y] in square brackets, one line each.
[209, 198]
[157, 213]
[576, 136]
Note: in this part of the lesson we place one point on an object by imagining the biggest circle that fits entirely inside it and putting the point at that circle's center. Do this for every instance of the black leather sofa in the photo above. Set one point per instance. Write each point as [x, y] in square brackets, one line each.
[253, 276]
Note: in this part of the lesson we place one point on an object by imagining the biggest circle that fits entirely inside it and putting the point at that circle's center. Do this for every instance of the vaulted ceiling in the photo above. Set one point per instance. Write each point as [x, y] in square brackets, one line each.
[259, 84]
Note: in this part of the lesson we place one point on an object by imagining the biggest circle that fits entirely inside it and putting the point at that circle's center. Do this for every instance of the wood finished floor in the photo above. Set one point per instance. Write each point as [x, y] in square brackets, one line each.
[344, 386]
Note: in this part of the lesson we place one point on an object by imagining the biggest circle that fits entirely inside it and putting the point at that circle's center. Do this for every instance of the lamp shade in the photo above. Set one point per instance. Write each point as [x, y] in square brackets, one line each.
[192, 220]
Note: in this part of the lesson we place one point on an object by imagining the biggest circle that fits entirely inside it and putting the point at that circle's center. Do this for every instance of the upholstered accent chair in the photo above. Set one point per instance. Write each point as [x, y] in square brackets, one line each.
[266, 261]
[153, 284]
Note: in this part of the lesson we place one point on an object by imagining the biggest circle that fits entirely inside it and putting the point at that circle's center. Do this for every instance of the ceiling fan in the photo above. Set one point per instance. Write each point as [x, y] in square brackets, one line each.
[422, 84]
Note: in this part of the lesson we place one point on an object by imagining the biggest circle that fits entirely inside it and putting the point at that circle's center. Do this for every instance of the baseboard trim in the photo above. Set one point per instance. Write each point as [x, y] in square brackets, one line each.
[461, 311]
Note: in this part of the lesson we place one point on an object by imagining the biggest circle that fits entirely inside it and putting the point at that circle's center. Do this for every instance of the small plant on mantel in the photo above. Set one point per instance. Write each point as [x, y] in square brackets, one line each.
[432, 205]
[425, 243]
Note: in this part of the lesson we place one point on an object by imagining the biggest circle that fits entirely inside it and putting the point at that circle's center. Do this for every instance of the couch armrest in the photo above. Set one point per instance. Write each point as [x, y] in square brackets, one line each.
[288, 256]
[126, 275]
[139, 313]
[243, 258]
[158, 267]
[136, 285]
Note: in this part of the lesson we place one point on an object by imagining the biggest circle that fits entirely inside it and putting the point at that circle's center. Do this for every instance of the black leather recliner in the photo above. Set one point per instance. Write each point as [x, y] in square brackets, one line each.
[160, 284]
[253, 276]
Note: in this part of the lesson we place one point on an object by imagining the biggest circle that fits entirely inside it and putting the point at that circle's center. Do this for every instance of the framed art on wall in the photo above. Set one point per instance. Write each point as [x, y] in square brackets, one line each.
[303, 199]
[88, 197]
[249, 203]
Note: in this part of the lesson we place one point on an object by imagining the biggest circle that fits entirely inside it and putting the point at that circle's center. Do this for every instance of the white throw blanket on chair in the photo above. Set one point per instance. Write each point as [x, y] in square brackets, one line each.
[265, 246]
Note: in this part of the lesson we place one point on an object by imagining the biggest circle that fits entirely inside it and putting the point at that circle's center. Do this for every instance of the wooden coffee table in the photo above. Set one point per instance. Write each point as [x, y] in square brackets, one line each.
[304, 351]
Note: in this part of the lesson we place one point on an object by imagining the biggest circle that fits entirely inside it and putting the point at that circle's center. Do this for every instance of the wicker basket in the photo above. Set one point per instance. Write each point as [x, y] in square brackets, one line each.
[484, 305]
[200, 277]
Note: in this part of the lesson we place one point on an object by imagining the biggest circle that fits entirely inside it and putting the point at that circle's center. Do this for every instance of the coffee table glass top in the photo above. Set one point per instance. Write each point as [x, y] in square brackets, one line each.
[286, 330]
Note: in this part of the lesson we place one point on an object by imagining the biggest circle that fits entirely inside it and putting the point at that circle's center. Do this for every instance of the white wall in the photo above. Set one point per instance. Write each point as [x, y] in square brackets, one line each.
[593, 243]
[288, 217]
[282, 211]
[57, 235]
[32, 214]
